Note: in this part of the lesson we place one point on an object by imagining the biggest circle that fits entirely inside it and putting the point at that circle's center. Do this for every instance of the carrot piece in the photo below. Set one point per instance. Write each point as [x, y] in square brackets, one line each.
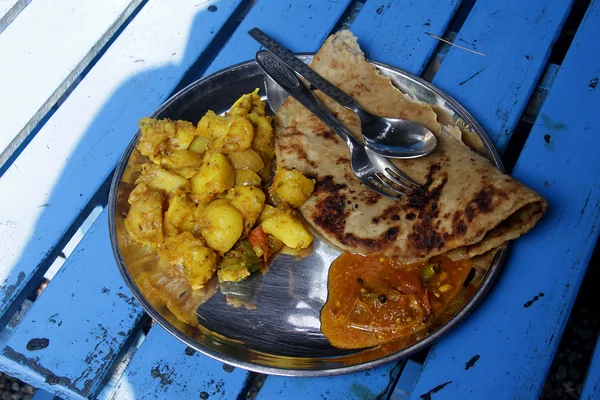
[260, 241]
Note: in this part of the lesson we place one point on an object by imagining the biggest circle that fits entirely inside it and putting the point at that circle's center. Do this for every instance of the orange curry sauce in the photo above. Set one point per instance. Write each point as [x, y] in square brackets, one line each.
[373, 300]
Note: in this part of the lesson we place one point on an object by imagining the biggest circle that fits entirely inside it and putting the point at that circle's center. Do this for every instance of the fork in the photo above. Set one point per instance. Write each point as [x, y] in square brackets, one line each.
[374, 171]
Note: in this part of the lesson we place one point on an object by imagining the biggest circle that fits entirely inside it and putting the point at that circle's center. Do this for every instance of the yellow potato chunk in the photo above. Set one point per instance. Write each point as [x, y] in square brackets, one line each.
[160, 136]
[210, 125]
[242, 106]
[198, 261]
[186, 163]
[232, 132]
[144, 220]
[286, 226]
[267, 212]
[215, 176]
[264, 140]
[291, 186]
[181, 159]
[185, 132]
[249, 201]
[250, 102]
[158, 178]
[237, 137]
[154, 138]
[180, 216]
[221, 225]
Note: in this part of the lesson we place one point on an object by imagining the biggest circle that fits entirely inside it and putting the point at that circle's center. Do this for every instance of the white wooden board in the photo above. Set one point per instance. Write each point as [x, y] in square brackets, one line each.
[43, 51]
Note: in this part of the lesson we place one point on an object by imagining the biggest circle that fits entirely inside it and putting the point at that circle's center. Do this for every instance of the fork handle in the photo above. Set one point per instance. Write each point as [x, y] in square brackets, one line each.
[287, 79]
[311, 76]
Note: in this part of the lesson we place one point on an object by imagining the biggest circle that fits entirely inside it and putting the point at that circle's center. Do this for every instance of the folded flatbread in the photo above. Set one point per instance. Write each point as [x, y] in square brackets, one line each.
[467, 206]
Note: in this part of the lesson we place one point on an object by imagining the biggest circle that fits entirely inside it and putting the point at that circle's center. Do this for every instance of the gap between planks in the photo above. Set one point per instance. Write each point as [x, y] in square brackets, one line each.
[10, 11]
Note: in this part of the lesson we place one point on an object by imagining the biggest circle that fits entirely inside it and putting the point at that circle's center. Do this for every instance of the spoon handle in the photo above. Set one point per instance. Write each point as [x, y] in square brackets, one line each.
[288, 58]
[285, 77]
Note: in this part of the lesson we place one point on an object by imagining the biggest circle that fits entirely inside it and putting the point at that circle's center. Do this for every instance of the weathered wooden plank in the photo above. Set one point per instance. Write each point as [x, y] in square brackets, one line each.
[516, 38]
[394, 32]
[165, 368]
[59, 172]
[591, 387]
[295, 24]
[118, 368]
[75, 330]
[37, 62]
[375, 383]
[506, 346]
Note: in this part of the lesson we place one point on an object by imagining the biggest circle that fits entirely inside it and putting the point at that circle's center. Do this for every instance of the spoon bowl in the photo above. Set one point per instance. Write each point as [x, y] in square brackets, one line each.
[394, 137]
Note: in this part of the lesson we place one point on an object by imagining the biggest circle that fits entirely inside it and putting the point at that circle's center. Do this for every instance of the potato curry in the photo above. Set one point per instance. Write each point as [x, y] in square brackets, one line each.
[201, 197]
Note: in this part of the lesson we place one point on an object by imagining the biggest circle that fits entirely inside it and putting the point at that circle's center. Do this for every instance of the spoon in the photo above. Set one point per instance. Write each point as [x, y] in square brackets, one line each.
[390, 137]
[373, 170]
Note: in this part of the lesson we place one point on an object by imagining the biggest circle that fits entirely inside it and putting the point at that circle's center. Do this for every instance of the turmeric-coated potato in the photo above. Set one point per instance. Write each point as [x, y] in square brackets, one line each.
[267, 212]
[215, 176]
[198, 261]
[211, 124]
[221, 225]
[185, 162]
[238, 136]
[181, 159]
[286, 226]
[184, 133]
[144, 220]
[164, 136]
[180, 216]
[248, 103]
[249, 201]
[292, 186]
[227, 134]
[264, 140]
[154, 138]
[158, 178]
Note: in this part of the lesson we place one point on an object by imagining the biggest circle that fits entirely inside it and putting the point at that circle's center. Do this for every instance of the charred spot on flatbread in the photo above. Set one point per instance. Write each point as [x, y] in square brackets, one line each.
[331, 210]
[426, 234]
[373, 245]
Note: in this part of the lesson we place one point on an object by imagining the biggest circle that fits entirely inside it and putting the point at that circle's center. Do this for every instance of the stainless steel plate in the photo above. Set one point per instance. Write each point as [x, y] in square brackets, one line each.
[270, 322]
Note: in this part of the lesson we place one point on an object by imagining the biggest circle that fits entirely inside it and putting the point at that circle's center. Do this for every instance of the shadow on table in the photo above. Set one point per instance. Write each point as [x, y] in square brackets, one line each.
[96, 155]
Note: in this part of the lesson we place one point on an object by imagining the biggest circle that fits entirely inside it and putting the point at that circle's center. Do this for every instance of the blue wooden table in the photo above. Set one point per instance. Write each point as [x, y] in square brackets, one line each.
[76, 76]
